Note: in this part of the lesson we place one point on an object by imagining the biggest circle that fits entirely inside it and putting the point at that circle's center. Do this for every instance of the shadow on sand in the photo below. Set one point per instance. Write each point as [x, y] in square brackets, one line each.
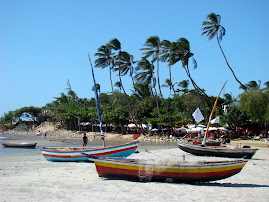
[217, 184]
[205, 184]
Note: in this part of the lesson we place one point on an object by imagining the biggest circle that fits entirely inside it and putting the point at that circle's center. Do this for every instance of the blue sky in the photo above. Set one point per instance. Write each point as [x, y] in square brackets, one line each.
[44, 43]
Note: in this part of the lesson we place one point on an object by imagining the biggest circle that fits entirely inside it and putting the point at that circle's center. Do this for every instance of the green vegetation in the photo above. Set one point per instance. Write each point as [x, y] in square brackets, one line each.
[69, 110]
[147, 104]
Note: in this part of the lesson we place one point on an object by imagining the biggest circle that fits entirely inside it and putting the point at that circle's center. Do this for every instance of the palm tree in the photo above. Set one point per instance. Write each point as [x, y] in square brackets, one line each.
[166, 56]
[213, 28]
[118, 84]
[143, 72]
[142, 91]
[228, 97]
[252, 85]
[97, 87]
[145, 76]
[105, 59]
[121, 67]
[183, 54]
[168, 83]
[153, 46]
[184, 84]
[127, 62]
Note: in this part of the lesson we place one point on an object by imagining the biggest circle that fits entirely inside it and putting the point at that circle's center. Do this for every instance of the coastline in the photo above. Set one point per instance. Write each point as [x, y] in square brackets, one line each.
[52, 133]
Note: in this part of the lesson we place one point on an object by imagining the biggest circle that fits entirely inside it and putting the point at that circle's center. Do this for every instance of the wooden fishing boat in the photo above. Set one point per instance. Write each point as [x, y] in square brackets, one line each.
[219, 151]
[19, 145]
[138, 170]
[75, 153]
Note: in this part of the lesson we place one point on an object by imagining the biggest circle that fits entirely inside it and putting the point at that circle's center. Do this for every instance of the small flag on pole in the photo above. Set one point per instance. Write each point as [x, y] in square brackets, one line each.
[215, 120]
[197, 115]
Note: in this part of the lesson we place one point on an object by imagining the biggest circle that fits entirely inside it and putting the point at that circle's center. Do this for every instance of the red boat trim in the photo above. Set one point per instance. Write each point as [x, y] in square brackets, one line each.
[104, 171]
[100, 153]
[91, 149]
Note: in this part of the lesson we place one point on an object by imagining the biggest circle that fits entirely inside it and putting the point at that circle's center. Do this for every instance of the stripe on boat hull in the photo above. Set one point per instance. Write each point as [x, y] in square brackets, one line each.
[187, 174]
[115, 151]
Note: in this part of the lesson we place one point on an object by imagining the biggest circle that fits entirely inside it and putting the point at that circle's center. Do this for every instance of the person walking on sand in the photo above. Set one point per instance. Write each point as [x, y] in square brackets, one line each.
[84, 140]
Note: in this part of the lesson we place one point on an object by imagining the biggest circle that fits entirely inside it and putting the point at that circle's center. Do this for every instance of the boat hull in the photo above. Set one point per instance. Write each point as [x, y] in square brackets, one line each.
[19, 145]
[75, 155]
[217, 151]
[178, 173]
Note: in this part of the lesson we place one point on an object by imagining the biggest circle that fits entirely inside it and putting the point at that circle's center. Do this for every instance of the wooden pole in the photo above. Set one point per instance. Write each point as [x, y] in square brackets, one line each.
[211, 115]
[97, 105]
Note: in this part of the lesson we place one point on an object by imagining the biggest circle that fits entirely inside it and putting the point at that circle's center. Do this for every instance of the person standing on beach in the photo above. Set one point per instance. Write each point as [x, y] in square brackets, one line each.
[84, 140]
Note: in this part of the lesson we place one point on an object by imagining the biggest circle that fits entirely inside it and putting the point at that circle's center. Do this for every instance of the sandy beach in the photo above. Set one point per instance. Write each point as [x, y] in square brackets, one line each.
[27, 176]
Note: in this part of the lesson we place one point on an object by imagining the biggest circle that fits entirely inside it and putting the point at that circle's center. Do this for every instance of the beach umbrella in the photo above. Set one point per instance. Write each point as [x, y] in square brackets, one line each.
[132, 125]
[195, 130]
[212, 128]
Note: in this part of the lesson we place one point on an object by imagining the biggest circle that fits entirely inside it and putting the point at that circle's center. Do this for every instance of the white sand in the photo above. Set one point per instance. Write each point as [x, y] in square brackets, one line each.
[29, 177]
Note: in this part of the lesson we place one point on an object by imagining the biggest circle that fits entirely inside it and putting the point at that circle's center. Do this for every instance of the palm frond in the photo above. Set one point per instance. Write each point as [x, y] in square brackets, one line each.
[115, 43]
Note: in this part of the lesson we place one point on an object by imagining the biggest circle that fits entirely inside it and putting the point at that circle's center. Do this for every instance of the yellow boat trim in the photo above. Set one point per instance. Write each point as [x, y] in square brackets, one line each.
[172, 170]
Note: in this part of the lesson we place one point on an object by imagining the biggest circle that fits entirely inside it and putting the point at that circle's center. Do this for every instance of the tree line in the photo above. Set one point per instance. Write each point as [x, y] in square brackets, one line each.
[70, 110]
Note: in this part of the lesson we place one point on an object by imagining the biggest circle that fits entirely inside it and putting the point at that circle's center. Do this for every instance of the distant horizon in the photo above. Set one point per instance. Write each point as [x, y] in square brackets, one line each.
[44, 44]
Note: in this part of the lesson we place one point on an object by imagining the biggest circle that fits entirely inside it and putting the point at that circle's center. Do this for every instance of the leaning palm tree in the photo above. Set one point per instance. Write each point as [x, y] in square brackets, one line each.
[145, 76]
[184, 54]
[213, 28]
[166, 56]
[153, 47]
[143, 72]
[105, 59]
[127, 65]
[252, 85]
[120, 61]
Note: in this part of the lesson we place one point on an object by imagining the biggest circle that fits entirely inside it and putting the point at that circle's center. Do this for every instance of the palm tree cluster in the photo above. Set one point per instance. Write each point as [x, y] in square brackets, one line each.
[147, 69]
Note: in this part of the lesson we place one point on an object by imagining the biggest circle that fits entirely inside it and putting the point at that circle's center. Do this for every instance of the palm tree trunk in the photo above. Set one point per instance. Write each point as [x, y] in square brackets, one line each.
[164, 104]
[156, 98]
[170, 80]
[196, 89]
[113, 88]
[228, 64]
[130, 109]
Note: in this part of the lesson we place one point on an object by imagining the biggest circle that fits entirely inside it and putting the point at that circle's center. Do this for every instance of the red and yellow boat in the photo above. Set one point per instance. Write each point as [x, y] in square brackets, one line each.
[140, 170]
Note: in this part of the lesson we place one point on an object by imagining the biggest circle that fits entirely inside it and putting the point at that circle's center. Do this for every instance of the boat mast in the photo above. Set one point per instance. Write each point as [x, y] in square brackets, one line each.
[211, 115]
[97, 104]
